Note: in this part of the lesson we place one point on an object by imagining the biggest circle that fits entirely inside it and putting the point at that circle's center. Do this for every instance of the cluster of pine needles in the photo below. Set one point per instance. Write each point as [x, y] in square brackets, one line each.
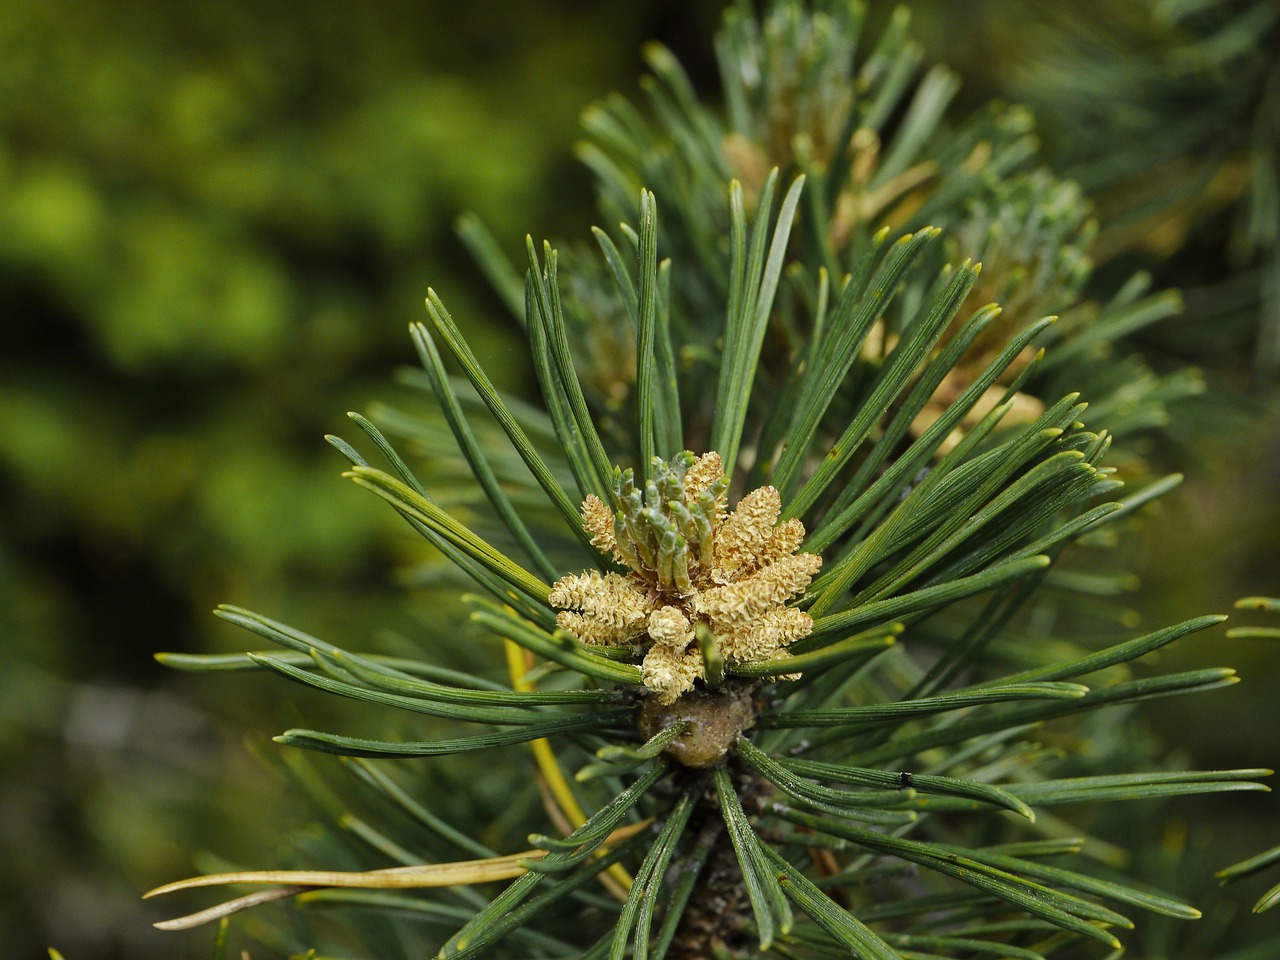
[795, 571]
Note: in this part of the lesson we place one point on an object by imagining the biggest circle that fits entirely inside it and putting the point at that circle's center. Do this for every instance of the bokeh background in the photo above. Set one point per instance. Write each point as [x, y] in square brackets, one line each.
[216, 221]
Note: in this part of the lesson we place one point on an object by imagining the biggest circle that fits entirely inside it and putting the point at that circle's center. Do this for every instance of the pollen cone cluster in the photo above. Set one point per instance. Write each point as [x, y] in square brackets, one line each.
[692, 564]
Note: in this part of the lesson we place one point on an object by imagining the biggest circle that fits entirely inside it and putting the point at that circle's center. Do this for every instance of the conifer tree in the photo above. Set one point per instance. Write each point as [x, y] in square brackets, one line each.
[782, 633]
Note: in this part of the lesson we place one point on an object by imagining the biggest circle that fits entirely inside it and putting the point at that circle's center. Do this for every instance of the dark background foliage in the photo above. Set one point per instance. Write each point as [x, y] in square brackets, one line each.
[216, 222]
